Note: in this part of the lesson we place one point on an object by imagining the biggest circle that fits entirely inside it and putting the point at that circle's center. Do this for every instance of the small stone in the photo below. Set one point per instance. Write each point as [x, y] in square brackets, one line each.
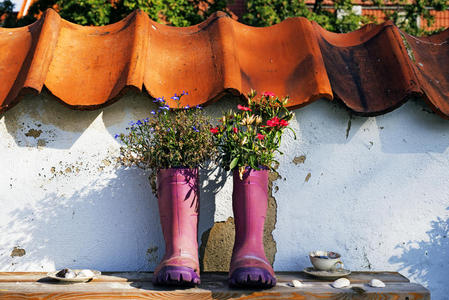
[341, 283]
[297, 283]
[376, 283]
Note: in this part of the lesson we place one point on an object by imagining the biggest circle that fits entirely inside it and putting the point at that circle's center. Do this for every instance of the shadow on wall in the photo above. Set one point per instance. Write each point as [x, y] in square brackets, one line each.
[39, 120]
[394, 136]
[427, 260]
[106, 225]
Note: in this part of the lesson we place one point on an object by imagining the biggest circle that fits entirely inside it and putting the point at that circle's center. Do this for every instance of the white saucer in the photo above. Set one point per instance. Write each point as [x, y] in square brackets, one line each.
[52, 275]
[327, 274]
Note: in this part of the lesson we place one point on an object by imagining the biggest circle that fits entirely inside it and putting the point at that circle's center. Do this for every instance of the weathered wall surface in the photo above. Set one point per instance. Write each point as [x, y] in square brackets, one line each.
[374, 189]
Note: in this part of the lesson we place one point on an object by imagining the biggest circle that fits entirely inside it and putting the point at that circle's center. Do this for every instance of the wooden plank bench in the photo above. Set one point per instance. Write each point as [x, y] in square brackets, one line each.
[137, 285]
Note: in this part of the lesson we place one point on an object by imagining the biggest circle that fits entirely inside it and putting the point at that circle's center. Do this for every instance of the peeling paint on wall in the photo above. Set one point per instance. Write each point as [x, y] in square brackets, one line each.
[18, 252]
[299, 159]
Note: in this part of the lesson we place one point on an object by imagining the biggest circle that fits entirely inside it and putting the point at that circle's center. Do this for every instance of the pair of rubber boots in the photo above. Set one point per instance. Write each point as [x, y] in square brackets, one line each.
[178, 199]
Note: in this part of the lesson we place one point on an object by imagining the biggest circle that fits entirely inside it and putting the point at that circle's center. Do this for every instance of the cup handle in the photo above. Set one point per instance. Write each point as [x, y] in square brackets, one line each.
[335, 268]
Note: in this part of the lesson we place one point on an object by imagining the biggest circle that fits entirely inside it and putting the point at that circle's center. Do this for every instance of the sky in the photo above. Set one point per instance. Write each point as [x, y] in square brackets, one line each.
[17, 4]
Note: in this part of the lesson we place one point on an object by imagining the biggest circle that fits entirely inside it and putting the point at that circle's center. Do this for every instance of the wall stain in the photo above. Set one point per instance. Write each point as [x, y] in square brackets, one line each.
[18, 252]
[152, 254]
[217, 242]
[34, 133]
[307, 177]
[299, 159]
[348, 128]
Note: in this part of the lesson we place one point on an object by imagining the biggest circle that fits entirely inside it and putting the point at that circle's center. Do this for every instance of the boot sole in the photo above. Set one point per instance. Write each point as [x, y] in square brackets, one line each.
[176, 276]
[252, 277]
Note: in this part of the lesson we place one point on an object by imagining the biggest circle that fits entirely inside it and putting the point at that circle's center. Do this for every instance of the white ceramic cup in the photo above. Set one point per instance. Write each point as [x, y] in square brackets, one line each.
[326, 260]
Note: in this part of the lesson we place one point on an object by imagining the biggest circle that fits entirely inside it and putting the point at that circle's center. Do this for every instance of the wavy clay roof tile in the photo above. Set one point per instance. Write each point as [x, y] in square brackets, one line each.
[372, 70]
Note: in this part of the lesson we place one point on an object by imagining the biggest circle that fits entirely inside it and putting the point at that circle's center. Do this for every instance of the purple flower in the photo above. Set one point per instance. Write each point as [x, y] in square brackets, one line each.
[139, 122]
[153, 112]
[187, 107]
[116, 136]
[159, 100]
[175, 97]
[195, 129]
[184, 93]
[146, 120]
[132, 123]
[198, 107]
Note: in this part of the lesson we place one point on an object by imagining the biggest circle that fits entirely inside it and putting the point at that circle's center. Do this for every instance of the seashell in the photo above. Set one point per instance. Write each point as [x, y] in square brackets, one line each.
[376, 283]
[341, 283]
[297, 283]
[85, 273]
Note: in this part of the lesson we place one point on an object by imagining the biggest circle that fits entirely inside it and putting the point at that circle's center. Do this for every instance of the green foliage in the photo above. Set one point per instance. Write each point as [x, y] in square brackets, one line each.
[251, 136]
[269, 12]
[171, 138]
[407, 17]
[341, 17]
[6, 13]
[103, 12]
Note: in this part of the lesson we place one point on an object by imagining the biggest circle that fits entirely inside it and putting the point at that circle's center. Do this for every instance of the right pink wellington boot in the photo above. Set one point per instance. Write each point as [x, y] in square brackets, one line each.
[178, 200]
[249, 265]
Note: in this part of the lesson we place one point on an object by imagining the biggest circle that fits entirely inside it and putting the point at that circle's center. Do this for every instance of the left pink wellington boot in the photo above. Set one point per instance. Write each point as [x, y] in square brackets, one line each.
[178, 200]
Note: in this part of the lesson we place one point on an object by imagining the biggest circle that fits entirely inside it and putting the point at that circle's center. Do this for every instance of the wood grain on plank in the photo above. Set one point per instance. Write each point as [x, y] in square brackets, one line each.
[134, 285]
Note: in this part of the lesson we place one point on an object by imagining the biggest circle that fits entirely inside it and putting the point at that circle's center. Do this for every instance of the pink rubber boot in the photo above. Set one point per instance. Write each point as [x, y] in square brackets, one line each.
[178, 200]
[249, 265]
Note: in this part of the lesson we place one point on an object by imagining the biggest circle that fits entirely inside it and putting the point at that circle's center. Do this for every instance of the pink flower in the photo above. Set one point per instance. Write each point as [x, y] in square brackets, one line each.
[214, 130]
[273, 122]
[235, 130]
[244, 108]
[283, 123]
[268, 94]
[260, 136]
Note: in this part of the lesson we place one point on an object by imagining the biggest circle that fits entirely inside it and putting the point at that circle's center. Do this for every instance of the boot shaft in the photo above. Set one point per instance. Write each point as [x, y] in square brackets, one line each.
[178, 201]
[249, 204]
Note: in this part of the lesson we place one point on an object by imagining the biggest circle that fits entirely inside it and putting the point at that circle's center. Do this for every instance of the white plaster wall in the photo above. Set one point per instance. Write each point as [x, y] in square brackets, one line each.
[378, 193]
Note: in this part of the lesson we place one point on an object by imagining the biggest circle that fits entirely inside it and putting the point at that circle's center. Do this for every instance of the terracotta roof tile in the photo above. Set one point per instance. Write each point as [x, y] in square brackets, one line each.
[87, 67]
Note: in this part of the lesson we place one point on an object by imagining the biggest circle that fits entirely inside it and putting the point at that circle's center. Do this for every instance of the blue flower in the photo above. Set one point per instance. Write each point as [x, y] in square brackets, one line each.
[132, 123]
[116, 136]
[153, 112]
[146, 120]
[175, 97]
[184, 93]
[187, 107]
[139, 122]
[165, 107]
[195, 129]
[198, 107]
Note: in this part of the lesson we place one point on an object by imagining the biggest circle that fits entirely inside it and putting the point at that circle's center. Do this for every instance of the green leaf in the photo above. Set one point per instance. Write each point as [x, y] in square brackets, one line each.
[234, 163]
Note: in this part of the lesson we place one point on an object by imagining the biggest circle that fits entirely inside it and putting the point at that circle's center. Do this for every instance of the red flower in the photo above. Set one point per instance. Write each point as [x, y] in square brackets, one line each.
[273, 122]
[268, 94]
[244, 108]
[214, 130]
[283, 123]
[260, 136]
[235, 130]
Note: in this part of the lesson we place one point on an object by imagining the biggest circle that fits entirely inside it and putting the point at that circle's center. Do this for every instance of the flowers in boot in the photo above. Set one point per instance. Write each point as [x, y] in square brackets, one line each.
[171, 137]
[251, 136]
